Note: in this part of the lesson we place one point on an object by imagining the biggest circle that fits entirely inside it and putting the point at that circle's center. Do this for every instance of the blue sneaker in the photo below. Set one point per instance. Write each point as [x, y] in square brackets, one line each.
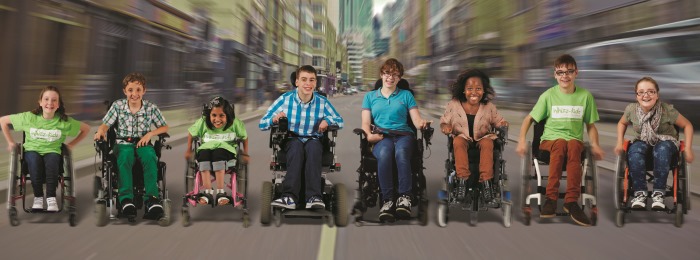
[315, 202]
[284, 202]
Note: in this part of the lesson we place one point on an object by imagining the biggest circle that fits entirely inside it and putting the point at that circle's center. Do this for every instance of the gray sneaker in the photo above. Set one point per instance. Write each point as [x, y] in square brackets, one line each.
[658, 201]
[386, 213]
[640, 200]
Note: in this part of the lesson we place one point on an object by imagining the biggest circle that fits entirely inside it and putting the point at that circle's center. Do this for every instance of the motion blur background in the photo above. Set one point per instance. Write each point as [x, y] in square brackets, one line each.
[245, 50]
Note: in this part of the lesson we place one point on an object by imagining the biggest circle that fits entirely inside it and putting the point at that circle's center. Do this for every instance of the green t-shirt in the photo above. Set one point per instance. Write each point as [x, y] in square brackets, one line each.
[669, 115]
[218, 138]
[44, 135]
[565, 113]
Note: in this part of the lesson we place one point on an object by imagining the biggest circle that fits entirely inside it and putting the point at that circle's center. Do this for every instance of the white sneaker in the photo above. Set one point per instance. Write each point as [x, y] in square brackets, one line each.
[51, 204]
[640, 200]
[658, 200]
[38, 203]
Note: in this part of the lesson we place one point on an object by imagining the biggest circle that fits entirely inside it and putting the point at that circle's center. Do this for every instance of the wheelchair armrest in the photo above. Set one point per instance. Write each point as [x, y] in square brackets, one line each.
[333, 128]
[427, 133]
[359, 131]
[163, 136]
[502, 132]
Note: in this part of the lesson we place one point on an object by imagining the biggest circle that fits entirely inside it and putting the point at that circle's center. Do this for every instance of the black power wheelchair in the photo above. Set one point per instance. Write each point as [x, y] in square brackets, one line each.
[535, 158]
[679, 189]
[334, 195]
[237, 184]
[469, 194]
[106, 181]
[17, 186]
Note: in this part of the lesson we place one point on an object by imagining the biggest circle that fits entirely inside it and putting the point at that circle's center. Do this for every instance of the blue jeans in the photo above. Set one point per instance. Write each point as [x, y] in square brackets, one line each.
[399, 148]
[637, 154]
[43, 168]
[303, 158]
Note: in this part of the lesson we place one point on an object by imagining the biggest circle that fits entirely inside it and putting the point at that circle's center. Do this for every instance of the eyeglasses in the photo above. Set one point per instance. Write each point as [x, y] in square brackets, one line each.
[650, 93]
[562, 72]
[396, 76]
[474, 89]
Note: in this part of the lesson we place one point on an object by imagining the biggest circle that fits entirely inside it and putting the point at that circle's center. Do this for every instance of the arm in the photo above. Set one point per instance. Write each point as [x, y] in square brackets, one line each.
[595, 148]
[188, 152]
[147, 137]
[246, 157]
[332, 117]
[274, 112]
[418, 121]
[366, 120]
[621, 129]
[101, 132]
[5, 123]
[84, 129]
[446, 120]
[684, 123]
[521, 149]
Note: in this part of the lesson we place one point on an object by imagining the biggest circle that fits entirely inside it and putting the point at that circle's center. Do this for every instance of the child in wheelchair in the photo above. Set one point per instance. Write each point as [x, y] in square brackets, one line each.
[217, 131]
[45, 129]
[655, 126]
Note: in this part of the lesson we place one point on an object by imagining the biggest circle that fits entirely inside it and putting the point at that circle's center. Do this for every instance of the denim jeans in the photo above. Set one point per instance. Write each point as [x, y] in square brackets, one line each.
[43, 168]
[637, 155]
[399, 148]
[303, 158]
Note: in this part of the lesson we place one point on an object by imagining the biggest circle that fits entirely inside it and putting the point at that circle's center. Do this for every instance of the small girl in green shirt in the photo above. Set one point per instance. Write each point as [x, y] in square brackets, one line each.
[217, 129]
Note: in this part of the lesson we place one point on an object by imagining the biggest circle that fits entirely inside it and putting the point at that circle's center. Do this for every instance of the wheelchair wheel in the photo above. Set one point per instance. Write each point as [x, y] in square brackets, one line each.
[265, 208]
[507, 214]
[277, 215]
[101, 214]
[442, 211]
[246, 220]
[683, 181]
[423, 212]
[72, 219]
[473, 218]
[340, 205]
[679, 215]
[525, 187]
[619, 218]
[14, 221]
[164, 221]
[619, 182]
[96, 186]
[185, 217]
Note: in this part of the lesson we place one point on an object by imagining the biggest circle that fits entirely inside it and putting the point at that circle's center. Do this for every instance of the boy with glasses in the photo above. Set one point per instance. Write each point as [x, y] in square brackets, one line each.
[567, 109]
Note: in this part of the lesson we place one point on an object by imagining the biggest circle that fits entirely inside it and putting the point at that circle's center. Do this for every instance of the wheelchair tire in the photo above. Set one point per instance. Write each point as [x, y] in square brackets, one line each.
[14, 220]
[265, 207]
[442, 212]
[101, 214]
[340, 205]
[527, 216]
[185, 217]
[473, 218]
[679, 215]
[619, 185]
[525, 168]
[96, 186]
[423, 212]
[246, 220]
[164, 221]
[620, 218]
[72, 219]
[507, 214]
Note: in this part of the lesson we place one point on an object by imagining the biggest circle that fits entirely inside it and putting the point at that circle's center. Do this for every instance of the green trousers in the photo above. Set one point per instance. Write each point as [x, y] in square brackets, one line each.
[125, 163]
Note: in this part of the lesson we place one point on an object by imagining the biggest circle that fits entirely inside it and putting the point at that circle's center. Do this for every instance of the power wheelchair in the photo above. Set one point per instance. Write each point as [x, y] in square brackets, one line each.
[368, 192]
[333, 195]
[237, 184]
[530, 172]
[679, 189]
[106, 180]
[468, 194]
[17, 186]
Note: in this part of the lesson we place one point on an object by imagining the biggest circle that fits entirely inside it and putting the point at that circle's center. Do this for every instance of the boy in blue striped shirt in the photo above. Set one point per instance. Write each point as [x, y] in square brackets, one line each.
[309, 115]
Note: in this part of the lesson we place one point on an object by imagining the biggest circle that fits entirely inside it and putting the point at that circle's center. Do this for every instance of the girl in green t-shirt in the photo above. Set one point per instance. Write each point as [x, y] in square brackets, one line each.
[218, 130]
[45, 128]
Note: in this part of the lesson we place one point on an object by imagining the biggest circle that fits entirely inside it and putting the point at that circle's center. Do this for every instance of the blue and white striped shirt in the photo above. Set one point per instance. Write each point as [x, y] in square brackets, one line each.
[303, 118]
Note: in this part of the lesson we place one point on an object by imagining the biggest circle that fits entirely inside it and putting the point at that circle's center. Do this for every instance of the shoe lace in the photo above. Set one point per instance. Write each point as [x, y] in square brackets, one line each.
[404, 201]
[658, 197]
[387, 205]
[639, 197]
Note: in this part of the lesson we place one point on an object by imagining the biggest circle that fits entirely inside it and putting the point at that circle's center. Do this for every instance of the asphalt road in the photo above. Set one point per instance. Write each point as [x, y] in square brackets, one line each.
[219, 233]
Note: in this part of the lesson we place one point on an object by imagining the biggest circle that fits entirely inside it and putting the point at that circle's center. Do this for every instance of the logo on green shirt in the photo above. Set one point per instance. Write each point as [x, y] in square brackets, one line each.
[42, 134]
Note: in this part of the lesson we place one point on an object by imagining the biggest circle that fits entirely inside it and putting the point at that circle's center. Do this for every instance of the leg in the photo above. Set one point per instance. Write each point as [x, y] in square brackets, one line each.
[35, 167]
[295, 161]
[574, 171]
[312, 174]
[663, 153]
[384, 152]
[461, 146]
[557, 154]
[204, 158]
[486, 159]
[404, 147]
[220, 158]
[636, 161]
[149, 161]
[52, 162]
[125, 164]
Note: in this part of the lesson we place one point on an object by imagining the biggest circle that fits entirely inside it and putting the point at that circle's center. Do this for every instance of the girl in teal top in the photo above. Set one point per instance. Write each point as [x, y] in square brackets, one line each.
[217, 129]
[45, 129]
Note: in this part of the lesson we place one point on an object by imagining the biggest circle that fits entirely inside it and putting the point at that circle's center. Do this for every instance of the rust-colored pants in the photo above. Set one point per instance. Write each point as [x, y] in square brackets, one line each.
[462, 159]
[560, 150]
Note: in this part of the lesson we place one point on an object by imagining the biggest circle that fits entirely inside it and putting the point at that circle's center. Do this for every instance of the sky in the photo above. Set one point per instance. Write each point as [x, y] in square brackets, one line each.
[379, 5]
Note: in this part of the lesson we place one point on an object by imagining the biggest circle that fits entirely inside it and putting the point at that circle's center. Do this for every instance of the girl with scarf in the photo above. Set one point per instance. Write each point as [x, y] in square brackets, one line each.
[653, 123]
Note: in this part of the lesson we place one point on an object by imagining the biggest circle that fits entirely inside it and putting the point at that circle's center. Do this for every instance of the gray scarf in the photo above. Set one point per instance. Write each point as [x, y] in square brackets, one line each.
[649, 123]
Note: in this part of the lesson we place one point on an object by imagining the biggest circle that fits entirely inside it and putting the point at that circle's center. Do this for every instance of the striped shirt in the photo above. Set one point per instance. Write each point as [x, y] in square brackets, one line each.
[303, 118]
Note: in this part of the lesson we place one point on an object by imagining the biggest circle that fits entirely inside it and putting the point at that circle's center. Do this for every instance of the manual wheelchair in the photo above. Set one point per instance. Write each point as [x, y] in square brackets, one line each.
[237, 184]
[679, 189]
[468, 194]
[333, 195]
[535, 158]
[17, 186]
[106, 181]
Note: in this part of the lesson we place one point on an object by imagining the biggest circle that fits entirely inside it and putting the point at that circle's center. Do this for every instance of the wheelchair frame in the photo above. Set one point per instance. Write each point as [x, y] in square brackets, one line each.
[622, 189]
[234, 168]
[452, 196]
[368, 193]
[106, 187]
[17, 186]
[589, 179]
[333, 195]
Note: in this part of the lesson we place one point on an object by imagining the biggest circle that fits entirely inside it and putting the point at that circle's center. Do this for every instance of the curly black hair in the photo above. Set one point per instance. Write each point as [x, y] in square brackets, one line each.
[459, 84]
[228, 108]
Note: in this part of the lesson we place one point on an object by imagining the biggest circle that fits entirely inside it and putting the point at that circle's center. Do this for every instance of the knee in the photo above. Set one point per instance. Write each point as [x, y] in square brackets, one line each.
[486, 143]
[664, 148]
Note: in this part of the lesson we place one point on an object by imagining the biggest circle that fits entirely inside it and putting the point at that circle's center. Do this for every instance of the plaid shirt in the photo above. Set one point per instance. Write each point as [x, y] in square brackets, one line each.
[303, 118]
[133, 125]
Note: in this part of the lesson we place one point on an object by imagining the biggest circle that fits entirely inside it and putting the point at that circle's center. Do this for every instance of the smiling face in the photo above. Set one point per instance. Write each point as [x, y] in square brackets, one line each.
[49, 102]
[565, 75]
[134, 92]
[474, 90]
[390, 78]
[306, 83]
[217, 117]
[649, 94]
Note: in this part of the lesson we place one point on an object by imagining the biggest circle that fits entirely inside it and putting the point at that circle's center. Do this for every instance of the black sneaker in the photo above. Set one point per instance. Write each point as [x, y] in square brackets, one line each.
[403, 207]
[128, 208]
[386, 213]
[549, 209]
[154, 210]
[487, 193]
[577, 214]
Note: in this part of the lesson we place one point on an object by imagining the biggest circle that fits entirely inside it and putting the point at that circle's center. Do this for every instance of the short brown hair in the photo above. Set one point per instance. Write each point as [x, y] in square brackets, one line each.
[306, 68]
[565, 59]
[134, 77]
[649, 79]
[391, 65]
